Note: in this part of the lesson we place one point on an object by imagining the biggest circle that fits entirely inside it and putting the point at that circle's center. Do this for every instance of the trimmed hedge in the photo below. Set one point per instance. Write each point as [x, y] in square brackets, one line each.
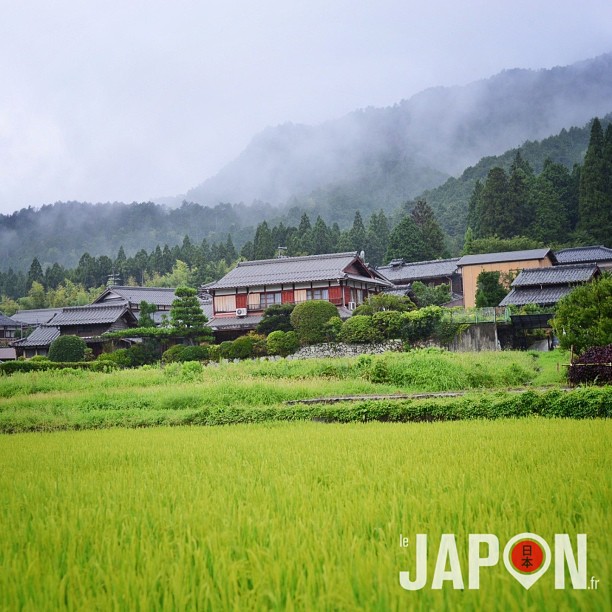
[10, 367]
[67, 349]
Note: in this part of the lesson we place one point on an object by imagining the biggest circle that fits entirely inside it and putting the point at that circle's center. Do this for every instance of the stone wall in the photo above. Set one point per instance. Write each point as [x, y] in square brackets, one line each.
[340, 349]
[477, 337]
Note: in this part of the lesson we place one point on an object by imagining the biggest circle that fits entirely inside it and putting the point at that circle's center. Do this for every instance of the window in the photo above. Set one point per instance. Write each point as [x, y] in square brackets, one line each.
[269, 299]
[317, 294]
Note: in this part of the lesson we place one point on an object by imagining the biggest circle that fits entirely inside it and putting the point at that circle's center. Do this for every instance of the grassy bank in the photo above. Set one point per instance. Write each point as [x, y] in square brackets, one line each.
[301, 516]
[251, 391]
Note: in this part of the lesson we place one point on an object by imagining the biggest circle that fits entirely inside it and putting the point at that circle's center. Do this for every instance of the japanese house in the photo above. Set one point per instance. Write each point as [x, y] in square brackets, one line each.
[241, 296]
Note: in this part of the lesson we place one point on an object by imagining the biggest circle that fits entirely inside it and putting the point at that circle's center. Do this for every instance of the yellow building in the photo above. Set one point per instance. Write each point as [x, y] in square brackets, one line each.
[509, 263]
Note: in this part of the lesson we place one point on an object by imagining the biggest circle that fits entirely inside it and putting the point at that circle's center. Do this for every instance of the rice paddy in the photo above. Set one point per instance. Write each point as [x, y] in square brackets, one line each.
[293, 516]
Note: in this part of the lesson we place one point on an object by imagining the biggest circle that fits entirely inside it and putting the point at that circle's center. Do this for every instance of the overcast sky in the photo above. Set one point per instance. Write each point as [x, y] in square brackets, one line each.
[126, 100]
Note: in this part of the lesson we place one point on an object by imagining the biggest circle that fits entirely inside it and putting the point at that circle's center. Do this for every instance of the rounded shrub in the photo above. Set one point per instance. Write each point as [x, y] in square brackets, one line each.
[309, 319]
[359, 329]
[282, 343]
[67, 348]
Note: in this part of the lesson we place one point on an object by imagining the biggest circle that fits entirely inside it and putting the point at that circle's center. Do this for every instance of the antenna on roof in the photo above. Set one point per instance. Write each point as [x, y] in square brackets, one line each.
[113, 279]
[281, 252]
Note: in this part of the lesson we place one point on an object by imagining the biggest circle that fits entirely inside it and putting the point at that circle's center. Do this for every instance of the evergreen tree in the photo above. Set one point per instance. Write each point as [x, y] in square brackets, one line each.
[230, 251]
[35, 274]
[595, 203]
[406, 241]
[263, 247]
[357, 234]
[377, 238]
[247, 251]
[433, 237]
[520, 214]
[187, 317]
[495, 217]
[121, 263]
[320, 237]
[475, 209]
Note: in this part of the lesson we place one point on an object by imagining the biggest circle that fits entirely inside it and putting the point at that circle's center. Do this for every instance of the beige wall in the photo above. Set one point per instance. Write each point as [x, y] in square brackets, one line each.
[470, 274]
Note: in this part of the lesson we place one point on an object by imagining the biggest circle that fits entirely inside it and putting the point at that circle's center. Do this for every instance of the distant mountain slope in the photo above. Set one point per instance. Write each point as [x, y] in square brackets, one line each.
[450, 200]
[386, 155]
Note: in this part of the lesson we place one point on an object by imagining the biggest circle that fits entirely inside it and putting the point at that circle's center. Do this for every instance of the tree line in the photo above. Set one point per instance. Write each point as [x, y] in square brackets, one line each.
[554, 207]
[416, 236]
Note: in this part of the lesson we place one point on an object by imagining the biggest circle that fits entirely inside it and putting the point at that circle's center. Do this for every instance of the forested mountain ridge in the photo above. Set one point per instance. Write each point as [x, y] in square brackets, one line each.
[379, 157]
[62, 232]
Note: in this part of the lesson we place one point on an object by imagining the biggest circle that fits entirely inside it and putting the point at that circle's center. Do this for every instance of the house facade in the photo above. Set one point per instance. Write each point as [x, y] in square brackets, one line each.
[511, 262]
[241, 296]
[87, 322]
[8, 330]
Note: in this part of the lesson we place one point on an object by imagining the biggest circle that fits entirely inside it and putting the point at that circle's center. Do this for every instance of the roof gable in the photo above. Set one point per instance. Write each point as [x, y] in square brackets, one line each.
[94, 314]
[160, 296]
[398, 270]
[584, 254]
[506, 256]
[294, 270]
[555, 275]
[7, 321]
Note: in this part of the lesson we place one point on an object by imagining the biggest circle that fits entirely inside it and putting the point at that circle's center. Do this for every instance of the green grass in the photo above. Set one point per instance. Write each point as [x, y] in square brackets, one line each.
[54, 400]
[303, 516]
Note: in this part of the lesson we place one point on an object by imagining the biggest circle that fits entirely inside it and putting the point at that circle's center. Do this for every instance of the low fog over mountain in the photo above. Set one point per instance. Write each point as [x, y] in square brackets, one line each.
[392, 154]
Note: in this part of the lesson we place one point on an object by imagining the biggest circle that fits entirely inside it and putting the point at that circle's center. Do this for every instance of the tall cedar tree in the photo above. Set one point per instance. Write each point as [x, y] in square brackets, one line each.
[494, 213]
[433, 237]
[595, 200]
[263, 247]
[35, 274]
[521, 214]
[377, 238]
[406, 241]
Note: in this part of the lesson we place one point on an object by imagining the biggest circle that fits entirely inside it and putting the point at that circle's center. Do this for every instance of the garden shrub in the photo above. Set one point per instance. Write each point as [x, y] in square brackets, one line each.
[282, 343]
[332, 329]
[225, 349]
[359, 329]
[309, 319]
[388, 323]
[39, 359]
[419, 325]
[276, 318]
[182, 352]
[583, 369]
[67, 348]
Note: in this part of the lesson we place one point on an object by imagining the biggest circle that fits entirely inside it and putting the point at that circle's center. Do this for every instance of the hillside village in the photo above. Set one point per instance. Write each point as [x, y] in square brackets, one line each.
[235, 304]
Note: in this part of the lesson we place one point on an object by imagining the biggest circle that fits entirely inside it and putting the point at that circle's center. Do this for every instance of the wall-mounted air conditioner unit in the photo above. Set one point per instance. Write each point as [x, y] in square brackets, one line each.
[352, 305]
[241, 312]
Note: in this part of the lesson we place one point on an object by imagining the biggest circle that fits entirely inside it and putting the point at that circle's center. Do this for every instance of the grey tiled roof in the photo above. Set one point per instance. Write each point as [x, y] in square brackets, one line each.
[288, 270]
[535, 295]
[419, 269]
[555, 275]
[43, 335]
[160, 296]
[92, 314]
[584, 254]
[7, 321]
[485, 258]
[37, 316]
[7, 354]
[248, 322]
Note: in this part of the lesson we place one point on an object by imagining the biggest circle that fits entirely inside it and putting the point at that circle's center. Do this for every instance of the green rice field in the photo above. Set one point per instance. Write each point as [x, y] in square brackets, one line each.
[293, 516]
